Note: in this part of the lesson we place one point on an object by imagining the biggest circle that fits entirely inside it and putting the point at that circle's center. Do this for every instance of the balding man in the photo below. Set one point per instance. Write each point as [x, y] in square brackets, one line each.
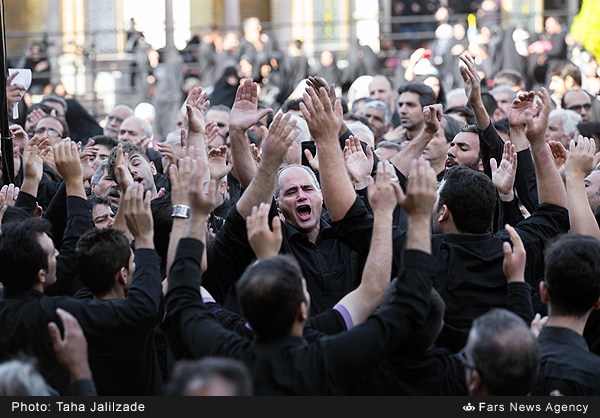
[139, 132]
[114, 119]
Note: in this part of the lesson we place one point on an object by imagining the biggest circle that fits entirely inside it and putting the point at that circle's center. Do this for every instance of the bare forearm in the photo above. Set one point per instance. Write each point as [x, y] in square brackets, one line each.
[260, 189]
[481, 116]
[581, 217]
[75, 188]
[412, 151]
[338, 190]
[418, 236]
[245, 167]
[550, 185]
[518, 138]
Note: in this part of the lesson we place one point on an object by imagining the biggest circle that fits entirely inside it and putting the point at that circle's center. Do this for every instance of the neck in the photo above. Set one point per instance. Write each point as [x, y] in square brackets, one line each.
[115, 293]
[412, 133]
[576, 324]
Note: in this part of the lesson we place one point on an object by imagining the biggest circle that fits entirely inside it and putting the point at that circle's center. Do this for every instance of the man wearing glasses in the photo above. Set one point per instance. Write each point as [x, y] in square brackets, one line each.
[55, 129]
[579, 101]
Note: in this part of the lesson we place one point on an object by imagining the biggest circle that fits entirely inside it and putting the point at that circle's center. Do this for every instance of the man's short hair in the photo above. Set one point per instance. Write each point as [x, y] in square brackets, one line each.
[21, 255]
[464, 111]
[509, 78]
[128, 148]
[565, 68]
[569, 119]
[471, 198]
[504, 351]
[426, 93]
[572, 274]
[20, 377]
[452, 128]
[379, 105]
[269, 293]
[107, 141]
[101, 253]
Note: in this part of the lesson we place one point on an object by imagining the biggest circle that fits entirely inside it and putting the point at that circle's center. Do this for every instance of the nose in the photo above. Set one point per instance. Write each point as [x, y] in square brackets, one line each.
[111, 221]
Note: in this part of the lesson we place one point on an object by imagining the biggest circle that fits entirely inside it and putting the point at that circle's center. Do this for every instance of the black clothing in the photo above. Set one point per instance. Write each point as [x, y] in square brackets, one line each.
[436, 372]
[119, 333]
[224, 92]
[566, 364]
[292, 365]
[469, 273]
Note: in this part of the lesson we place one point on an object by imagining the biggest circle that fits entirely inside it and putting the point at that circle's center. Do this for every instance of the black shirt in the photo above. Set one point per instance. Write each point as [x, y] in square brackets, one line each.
[469, 274]
[566, 364]
[291, 365]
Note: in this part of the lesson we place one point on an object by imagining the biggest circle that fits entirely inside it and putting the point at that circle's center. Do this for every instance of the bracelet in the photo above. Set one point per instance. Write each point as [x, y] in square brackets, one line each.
[180, 211]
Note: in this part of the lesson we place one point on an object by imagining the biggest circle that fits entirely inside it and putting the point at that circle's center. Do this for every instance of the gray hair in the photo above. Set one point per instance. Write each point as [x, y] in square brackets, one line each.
[503, 88]
[282, 169]
[569, 119]
[21, 378]
[379, 105]
[361, 130]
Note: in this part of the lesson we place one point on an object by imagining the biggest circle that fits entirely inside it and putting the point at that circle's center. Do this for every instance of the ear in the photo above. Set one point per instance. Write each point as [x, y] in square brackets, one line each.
[153, 168]
[480, 166]
[597, 304]
[544, 295]
[475, 383]
[302, 314]
[569, 82]
[40, 277]
[122, 277]
[443, 214]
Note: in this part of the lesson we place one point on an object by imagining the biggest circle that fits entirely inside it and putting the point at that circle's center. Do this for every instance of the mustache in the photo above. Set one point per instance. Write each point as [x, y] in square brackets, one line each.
[113, 192]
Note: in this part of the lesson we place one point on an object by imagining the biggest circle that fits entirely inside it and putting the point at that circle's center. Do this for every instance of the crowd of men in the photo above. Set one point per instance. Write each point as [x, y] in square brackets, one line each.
[406, 243]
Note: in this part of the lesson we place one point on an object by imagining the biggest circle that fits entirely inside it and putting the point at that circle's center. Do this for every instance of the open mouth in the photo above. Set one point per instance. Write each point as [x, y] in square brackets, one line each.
[450, 162]
[304, 212]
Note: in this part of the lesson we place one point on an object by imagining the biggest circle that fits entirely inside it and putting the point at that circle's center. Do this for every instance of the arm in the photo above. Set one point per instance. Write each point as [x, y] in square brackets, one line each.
[473, 90]
[264, 241]
[384, 195]
[432, 116]
[579, 163]
[280, 136]
[79, 217]
[71, 352]
[549, 182]
[244, 114]
[324, 122]
[513, 265]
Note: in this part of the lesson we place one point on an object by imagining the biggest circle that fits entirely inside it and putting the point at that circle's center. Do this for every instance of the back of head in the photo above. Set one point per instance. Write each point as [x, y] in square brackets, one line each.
[21, 255]
[471, 198]
[452, 127]
[510, 78]
[427, 96]
[490, 104]
[566, 68]
[210, 376]
[572, 274]
[504, 352]
[424, 337]
[101, 253]
[269, 293]
[20, 378]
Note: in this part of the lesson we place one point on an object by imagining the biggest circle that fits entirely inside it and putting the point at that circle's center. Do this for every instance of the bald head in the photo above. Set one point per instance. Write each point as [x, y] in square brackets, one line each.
[114, 119]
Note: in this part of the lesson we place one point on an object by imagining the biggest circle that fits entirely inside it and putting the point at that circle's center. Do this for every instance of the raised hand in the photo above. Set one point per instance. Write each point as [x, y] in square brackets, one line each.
[14, 92]
[123, 176]
[503, 176]
[196, 105]
[359, 163]
[323, 119]
[19, 136]
[317, 82]
[8, 195]
[180, 175]
[201, 197]
[559, 153]
[218, 165]
[470, 77]
[515, 257]
[432, 117]
[521, 109]
[384, 194]
[537, 123]
[282, 134]
[264, 241]
[138, 215]
[244, 112]
[421, 190]
[71, 350]
[580, 160]
[313, 160]
[66, 159]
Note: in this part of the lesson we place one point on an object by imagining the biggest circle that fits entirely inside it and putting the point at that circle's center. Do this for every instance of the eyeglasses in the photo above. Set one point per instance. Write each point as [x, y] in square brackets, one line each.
[577, 108]
[462, 357]
[50, 132]
[221, 124]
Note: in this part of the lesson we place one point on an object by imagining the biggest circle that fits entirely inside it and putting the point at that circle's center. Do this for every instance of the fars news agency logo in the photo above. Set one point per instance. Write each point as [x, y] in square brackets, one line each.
[468, 407]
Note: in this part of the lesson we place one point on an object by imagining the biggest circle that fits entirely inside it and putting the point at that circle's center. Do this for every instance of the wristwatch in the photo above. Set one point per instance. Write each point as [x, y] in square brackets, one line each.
[180, 211]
